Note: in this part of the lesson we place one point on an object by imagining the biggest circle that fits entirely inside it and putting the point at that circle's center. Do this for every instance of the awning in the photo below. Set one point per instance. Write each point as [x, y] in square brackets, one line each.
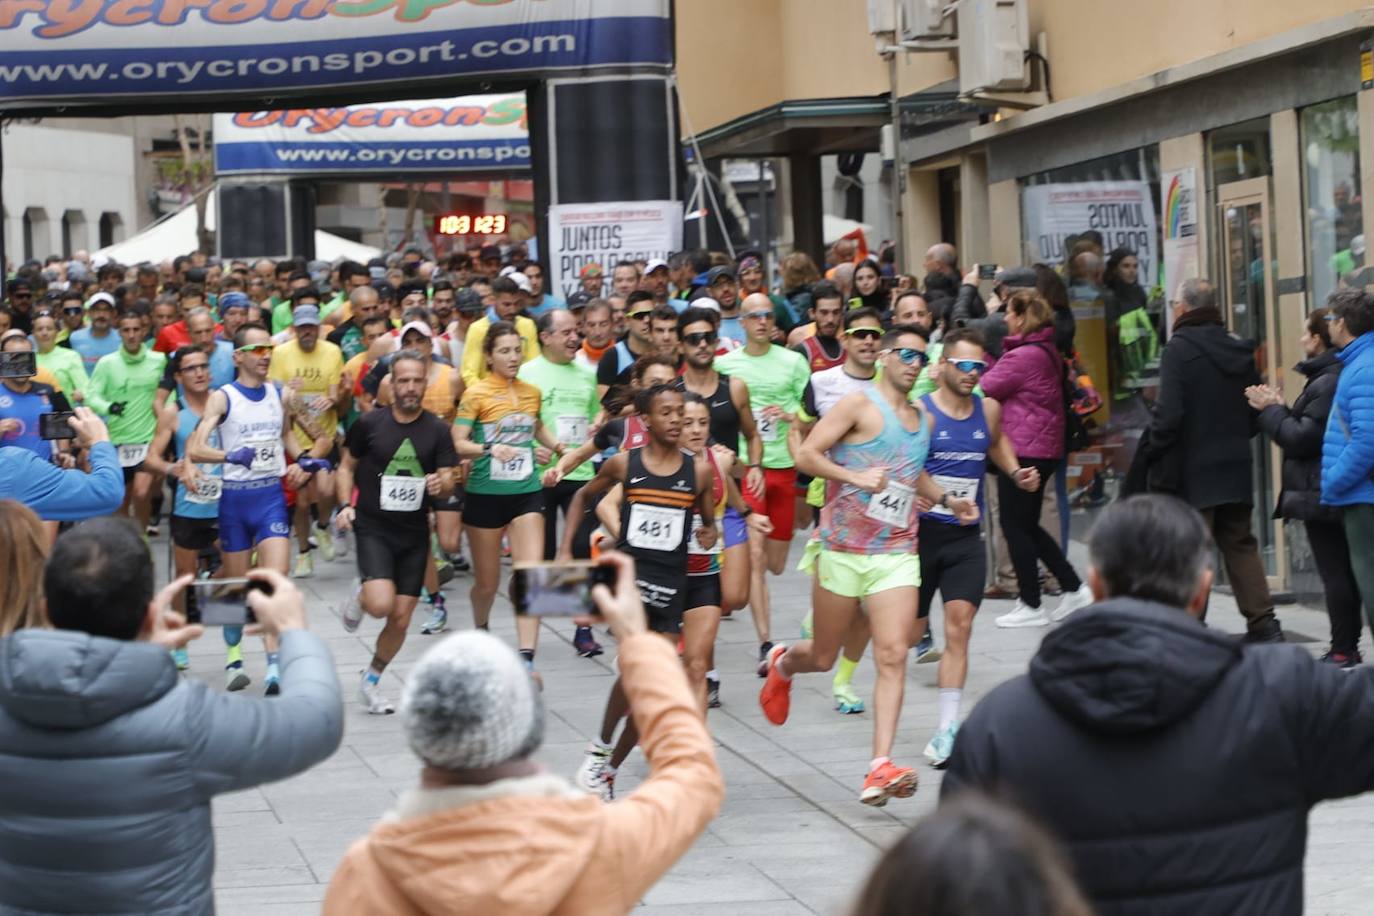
[175, 235]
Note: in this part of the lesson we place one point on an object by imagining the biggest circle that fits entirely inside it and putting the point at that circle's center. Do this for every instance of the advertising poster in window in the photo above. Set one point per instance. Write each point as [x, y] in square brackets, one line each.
[604, 233]
[1122, 211]
[1178, 190]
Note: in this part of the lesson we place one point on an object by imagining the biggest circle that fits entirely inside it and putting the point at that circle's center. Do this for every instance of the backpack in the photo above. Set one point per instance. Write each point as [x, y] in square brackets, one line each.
[1080, 400]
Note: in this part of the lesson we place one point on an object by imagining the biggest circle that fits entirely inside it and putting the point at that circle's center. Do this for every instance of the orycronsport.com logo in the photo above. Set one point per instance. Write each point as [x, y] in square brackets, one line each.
[457, 154]
[60, 20]
[196, 70]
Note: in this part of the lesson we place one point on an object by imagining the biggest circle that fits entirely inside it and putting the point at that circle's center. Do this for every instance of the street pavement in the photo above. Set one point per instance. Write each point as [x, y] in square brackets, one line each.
[792, 837]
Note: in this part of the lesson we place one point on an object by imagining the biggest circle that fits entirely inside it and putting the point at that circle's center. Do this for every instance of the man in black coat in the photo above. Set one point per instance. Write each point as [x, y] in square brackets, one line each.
[1199, 446]
[1176, 764]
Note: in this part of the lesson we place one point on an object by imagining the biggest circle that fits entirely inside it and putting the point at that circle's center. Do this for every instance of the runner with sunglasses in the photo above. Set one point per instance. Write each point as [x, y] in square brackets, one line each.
[731, 423]
[613, 372]
[967, 435]
[863, 329]
[871, 449]
[776, 377]
[256, 439]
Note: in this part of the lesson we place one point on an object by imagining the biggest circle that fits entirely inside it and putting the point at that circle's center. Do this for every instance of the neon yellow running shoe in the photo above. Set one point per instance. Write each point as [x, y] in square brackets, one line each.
[847, 702]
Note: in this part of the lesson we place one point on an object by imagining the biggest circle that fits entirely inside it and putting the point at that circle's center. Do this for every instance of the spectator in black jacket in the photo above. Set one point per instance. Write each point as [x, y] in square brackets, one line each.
[1176, 764]
[1200, 442]
[1298, 430]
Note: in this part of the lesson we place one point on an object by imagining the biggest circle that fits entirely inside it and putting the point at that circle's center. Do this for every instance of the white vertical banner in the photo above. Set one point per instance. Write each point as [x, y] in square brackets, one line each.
[604, 233]
[1178, 190]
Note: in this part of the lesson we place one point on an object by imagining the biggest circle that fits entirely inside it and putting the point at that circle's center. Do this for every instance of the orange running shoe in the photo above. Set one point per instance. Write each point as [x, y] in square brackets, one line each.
[776, 696]
[888, 781]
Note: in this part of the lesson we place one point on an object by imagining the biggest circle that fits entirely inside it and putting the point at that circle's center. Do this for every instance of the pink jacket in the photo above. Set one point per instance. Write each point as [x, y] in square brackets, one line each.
[1028, 381]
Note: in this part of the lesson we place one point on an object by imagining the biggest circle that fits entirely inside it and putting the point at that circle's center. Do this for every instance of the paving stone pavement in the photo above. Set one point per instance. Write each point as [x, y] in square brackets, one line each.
[792, 837]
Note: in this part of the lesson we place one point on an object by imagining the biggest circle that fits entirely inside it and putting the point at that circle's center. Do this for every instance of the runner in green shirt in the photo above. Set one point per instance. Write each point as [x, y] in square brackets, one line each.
[122, 389]
[63, 362]
[777, 378]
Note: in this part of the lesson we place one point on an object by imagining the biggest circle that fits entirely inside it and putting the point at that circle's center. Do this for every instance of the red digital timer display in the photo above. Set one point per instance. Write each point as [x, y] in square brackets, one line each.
[470, 224]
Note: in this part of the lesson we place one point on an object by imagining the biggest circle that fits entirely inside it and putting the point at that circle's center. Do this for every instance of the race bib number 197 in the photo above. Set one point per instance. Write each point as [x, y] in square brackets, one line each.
[519, 467]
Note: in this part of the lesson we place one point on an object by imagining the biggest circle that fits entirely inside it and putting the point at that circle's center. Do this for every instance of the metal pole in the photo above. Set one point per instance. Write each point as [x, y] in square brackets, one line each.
[765, 232]
[898, 165]
[4, 272]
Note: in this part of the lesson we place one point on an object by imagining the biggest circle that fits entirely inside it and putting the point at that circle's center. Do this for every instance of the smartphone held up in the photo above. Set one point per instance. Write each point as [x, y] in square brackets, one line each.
[557, 589]
[222, 602]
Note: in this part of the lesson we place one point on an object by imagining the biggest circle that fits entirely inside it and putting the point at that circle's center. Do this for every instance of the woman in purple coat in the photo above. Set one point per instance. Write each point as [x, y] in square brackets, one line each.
[1028, 381]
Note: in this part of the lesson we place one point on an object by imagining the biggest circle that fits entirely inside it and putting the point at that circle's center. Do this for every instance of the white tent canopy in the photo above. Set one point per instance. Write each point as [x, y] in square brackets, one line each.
[834, 228]
[176, 235]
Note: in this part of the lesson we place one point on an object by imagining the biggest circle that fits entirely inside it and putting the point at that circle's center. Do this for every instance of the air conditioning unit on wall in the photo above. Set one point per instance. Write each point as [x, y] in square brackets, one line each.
[881, 17]
[918, 19]
[994, 36]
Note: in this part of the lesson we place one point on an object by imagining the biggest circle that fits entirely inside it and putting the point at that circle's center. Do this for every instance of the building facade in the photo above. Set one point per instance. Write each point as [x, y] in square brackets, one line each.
[1221, 140]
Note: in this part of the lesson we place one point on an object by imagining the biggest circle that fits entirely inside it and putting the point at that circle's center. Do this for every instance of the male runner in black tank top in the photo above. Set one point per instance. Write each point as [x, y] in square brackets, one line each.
[663, 487]
[727, 398]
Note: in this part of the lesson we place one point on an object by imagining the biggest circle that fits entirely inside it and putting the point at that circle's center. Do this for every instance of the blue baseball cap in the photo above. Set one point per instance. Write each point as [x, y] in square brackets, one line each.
[233, 300]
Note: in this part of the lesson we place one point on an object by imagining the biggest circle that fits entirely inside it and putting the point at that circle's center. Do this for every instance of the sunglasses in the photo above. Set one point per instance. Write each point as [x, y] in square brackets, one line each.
[640, 315]
[760, 315]
[863, 333]
[910, 355]
[198, 367]
[254, 348]
[969, 365]
[75, 310]
[697, 338]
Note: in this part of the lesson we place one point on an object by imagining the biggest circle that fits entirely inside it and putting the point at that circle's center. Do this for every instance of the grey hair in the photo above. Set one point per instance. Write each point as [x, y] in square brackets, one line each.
[1196, 293]
[1152, 547]
[944, 253]
[198, 312]
[418, 313]
[402, 356]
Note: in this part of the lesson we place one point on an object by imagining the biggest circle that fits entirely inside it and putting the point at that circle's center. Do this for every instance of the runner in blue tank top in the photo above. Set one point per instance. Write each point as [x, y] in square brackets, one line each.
[195, 508]
[966, 436]
[870, 448]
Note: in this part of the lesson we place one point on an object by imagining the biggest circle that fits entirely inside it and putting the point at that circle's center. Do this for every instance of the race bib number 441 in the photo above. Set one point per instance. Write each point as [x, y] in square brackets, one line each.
[893, 505]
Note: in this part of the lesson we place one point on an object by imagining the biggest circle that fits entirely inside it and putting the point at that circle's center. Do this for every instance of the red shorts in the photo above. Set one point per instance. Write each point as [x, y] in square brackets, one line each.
[779, 501]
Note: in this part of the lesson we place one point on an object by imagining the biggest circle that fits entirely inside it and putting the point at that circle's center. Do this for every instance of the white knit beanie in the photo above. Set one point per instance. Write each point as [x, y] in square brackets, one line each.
[470, 703]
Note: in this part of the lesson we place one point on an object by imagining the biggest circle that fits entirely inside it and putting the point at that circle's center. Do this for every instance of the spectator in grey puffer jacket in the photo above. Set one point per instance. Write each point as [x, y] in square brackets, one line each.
[109, 759]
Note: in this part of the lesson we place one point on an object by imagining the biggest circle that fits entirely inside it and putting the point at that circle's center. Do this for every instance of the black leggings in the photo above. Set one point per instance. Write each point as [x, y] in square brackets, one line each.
[1331, 552]
[1027, 542]
[556, 500]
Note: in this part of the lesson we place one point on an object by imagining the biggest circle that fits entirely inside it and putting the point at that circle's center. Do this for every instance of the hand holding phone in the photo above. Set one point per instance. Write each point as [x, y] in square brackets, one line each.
[622, 608]
[18, 364]
[558, 589]
[987, 271]
[54, 425]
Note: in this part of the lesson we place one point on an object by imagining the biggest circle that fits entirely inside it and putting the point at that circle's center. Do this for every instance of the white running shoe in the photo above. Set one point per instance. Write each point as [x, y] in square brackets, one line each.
[1023, 616]
[370, 696]
[305, 566]
[1074, 601]
[352, 610]
[589, 774]
[339, 537]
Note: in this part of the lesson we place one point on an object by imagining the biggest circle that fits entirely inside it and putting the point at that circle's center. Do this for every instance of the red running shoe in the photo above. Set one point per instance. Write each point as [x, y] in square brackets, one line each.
[776, 696]
[886, 782]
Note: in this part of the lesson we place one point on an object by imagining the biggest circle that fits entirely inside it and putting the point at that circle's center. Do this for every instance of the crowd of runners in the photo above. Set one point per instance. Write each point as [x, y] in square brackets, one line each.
[684, 415]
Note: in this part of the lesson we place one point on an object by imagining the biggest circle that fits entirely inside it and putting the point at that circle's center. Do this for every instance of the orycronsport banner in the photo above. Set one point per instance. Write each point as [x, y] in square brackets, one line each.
[153, 50]
[1123, 211]
[582, 234]
[442, 135]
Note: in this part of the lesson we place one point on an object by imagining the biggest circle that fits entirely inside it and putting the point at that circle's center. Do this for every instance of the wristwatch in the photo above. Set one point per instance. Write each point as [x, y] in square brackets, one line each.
[745, 513]
[944, 500]
[486, 448]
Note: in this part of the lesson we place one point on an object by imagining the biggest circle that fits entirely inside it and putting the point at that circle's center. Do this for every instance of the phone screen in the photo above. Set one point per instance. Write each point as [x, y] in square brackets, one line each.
[17, 364]
[220, 602]
[54, 425]
[987, 271]
[557, 589]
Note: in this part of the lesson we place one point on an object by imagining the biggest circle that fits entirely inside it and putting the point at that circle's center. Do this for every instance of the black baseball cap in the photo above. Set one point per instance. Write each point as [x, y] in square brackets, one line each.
[468, 300]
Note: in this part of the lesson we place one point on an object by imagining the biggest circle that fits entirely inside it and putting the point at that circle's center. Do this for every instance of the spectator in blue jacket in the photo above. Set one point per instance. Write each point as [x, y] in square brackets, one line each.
[111, 758]
[71, 495]
[1348, 447]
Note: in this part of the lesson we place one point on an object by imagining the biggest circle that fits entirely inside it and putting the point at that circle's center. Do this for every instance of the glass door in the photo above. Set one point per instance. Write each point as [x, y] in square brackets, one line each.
[1251, 312]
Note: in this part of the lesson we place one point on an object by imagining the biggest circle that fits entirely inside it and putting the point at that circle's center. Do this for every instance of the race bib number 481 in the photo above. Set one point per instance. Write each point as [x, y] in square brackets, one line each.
[655, 527]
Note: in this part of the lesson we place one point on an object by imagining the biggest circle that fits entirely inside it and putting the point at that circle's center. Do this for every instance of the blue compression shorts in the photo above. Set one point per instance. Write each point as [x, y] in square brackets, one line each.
[250, 512]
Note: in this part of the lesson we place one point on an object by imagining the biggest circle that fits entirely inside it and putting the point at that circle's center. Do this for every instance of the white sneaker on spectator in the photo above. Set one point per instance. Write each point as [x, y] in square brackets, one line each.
[1073, 601]
[1023, 616]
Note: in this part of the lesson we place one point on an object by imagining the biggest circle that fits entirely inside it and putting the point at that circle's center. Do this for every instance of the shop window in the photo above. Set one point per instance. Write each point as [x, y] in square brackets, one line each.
[1331, 197]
